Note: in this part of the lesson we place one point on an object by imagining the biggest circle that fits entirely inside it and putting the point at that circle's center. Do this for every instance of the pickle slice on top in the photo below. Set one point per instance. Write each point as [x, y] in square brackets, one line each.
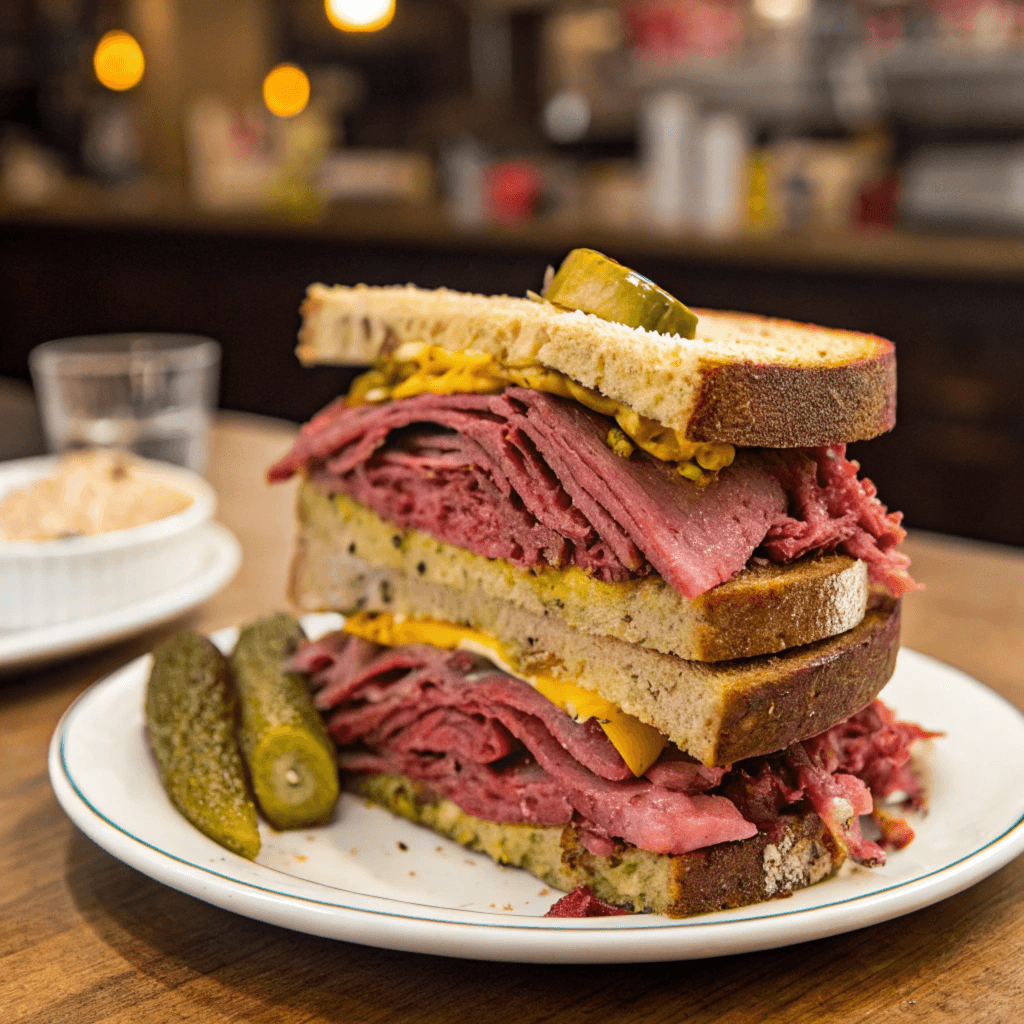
[594, 283]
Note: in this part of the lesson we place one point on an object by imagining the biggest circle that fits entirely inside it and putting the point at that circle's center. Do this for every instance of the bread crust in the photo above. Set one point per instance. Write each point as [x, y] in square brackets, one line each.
[771, 406]
[812, 688]
[762, 610]
[744, 379]
[719, 877]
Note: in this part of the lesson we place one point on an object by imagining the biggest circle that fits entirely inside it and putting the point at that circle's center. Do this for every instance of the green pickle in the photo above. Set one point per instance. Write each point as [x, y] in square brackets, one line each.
[290, 757]
[190, 711]
[594, 283]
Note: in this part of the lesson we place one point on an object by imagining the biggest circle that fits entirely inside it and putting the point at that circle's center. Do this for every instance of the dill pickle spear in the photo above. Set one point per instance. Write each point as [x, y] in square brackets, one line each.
[594, 283]
[190, 711]
[290, 757]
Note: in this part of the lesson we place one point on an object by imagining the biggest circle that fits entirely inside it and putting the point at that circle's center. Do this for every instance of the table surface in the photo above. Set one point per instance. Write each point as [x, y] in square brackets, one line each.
[85, 938]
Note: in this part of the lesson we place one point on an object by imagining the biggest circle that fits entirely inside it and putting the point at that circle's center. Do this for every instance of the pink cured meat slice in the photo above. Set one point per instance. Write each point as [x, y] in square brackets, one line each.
[519, 794]
[548, 458]
[649, 816]
[374, 677]
[504, 753]
[354, 434]
[528, 477]
[652, 818]
[460, 500]
[505, 459]
[875, 746]
[343, 660]
[427, 716]
[675, 770]
[839, 800]
[695, 537]
[832, 509]
[464, 474]
[581, 902]
[406, 682]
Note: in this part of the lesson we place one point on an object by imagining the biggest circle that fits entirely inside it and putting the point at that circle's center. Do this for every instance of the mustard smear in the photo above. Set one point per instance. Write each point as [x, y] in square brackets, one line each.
[415, 368]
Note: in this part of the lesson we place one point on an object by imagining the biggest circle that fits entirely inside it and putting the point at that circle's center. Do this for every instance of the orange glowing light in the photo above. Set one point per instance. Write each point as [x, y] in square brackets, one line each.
[286, 90]
[359, 15]
[118, 61]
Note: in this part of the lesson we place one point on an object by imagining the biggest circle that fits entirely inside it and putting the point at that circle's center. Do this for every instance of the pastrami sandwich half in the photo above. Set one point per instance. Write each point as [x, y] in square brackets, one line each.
[618, 605]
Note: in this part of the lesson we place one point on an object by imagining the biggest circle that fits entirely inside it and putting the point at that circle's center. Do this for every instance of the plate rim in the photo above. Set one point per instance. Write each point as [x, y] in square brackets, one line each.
[23, 648]
[802, 924]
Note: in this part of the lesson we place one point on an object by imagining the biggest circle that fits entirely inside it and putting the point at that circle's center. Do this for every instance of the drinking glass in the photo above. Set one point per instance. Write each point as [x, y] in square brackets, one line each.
[153, 394]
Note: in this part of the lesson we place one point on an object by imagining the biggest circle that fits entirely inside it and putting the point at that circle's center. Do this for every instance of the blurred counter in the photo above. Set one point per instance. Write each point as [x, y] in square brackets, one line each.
[953, 306]
[899, 253]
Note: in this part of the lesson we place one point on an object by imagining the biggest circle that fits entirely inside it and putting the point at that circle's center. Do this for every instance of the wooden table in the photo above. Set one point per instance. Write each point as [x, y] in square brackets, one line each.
[84, 938]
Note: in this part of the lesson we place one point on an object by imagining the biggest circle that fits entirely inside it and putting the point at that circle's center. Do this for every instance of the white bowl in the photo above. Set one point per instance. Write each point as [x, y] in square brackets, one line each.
[46, 582]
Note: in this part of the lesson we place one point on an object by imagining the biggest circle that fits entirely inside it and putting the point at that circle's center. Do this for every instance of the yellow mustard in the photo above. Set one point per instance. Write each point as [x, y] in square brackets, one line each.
[417, 367]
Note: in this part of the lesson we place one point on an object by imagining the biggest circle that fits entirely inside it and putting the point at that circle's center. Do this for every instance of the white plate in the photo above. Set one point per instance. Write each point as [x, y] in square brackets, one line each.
[22, 648]
[353, 880]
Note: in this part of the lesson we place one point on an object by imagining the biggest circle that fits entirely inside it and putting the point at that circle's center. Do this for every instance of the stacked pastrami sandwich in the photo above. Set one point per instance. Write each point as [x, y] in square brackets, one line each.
[618, 605]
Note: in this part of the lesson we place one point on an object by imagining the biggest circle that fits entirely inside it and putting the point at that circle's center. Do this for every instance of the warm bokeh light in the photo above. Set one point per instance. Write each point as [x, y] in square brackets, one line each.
[783, 12]
[360, 15]
[118, 61]
[286, 90]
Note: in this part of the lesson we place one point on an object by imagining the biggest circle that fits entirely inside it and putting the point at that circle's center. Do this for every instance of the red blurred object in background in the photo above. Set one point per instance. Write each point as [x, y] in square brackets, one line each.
[884, 27]
[998, 20]
[512, 190]
[665, 30]
[877, 203]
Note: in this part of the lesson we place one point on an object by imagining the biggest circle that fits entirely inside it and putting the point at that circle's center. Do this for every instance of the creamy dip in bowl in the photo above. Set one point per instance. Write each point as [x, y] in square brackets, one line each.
[98, 534]
[93, 492]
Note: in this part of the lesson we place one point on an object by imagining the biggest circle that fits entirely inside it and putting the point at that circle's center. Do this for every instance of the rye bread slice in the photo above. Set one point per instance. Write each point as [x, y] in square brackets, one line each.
[763, 610]
[718, 877]
[744, 379]
[720, 713]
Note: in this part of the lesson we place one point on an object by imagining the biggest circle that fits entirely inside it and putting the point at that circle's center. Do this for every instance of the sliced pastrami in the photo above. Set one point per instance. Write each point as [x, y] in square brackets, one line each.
[521, 793]
[839, 800]
[405, 683]
[529, 478]
[694, 536]
[442, 718]
[874, 746]
[675, 770]
[831, 509]
[343, 654]
[502, 752]
[652, 818]
[581, 902]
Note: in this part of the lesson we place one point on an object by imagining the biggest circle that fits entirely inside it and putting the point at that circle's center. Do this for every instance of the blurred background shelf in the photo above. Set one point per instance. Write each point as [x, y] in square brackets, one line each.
[900, 253]
[941, 86]
[922, 84]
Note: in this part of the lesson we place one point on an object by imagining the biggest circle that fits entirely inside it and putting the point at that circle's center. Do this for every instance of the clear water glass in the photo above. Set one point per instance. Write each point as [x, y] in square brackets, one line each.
[153, 394]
